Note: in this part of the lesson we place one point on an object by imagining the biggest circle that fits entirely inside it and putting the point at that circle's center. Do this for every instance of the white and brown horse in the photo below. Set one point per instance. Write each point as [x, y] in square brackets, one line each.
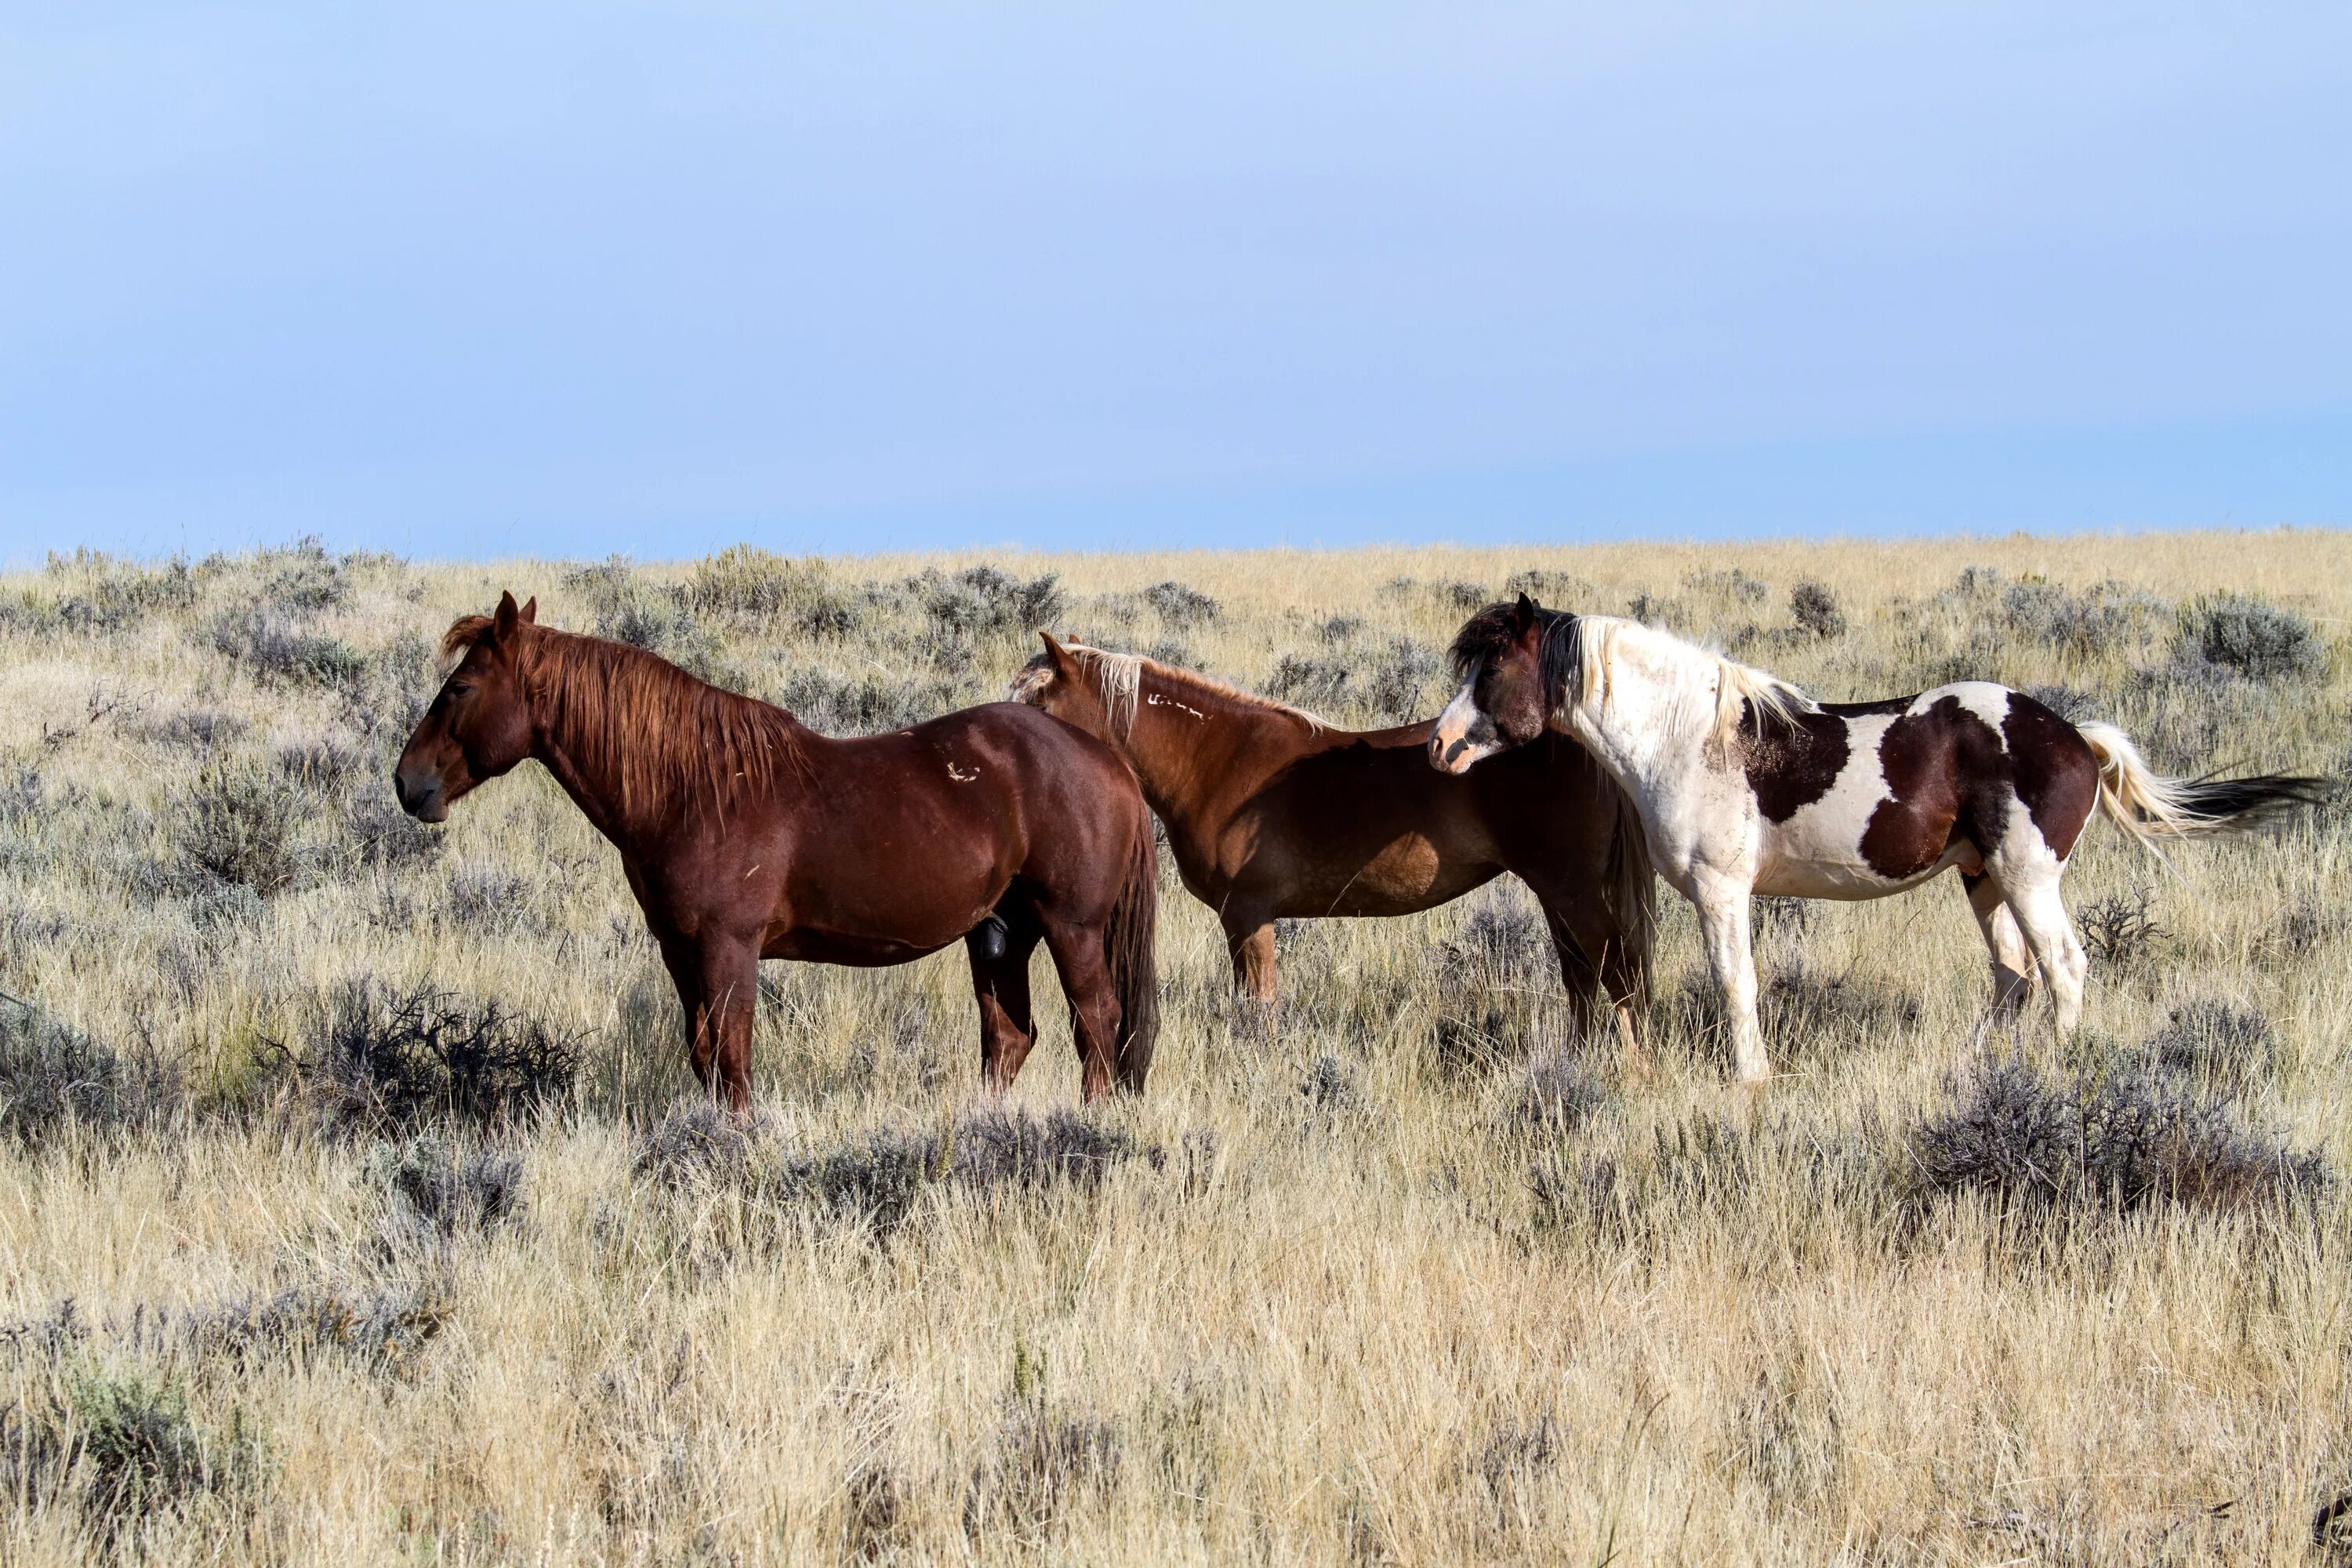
[1746, 786]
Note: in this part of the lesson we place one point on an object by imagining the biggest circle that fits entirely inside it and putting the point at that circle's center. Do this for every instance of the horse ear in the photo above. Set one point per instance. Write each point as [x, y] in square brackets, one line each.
[1056, 652]
[1523, 612]
[531, 610]
[506, 618]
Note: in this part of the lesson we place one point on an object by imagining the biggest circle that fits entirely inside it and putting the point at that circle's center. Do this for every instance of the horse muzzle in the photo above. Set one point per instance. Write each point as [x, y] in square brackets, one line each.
[425, 799]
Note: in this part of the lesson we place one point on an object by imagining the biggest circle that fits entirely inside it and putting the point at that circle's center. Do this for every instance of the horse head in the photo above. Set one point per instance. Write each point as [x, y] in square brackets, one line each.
[1507, 695]
[1056, 681]
[479, 725]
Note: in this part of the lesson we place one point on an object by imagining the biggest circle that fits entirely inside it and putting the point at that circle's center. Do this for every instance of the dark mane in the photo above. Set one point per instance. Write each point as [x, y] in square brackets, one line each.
[662, 736]
[1560, 650]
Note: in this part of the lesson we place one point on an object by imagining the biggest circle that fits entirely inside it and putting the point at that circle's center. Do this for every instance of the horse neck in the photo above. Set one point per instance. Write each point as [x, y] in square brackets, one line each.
[1649, 717]
[1187, 743]
[592, 766]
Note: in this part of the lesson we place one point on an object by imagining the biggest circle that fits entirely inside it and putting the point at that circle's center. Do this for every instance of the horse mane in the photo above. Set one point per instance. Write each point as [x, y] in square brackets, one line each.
[660, 735]
[1576, 655]
[1118, 678]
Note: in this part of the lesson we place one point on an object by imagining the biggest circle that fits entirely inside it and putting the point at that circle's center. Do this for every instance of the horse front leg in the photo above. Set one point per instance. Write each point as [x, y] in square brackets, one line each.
[1249, 938]
[1722, 905]
[684, 962]
[721, 1017]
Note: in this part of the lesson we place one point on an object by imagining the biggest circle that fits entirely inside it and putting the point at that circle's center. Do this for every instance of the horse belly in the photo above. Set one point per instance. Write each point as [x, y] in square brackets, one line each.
[1824, 860]
[844, 948]
[885, 897]
[1818, 853]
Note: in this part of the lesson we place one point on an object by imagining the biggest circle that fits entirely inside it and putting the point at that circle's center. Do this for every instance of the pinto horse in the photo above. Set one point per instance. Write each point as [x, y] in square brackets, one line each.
[1747, 786]
[1272, 814]
[745, 835]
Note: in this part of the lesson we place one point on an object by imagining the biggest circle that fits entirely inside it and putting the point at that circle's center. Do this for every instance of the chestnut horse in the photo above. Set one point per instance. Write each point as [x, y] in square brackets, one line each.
[1747, 785]
[745, 835]
[1272, 814]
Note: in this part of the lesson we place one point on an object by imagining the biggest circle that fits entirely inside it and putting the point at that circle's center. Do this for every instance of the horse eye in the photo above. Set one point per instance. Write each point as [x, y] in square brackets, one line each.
[460, 688]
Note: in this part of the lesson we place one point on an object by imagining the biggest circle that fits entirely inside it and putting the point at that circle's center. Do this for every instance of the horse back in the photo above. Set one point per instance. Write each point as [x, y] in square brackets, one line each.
[920, 831]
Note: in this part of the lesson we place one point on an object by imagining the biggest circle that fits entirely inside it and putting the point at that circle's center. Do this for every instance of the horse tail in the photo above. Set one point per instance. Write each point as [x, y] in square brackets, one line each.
[1629, 891]
[2150, 806]
[1130, 950]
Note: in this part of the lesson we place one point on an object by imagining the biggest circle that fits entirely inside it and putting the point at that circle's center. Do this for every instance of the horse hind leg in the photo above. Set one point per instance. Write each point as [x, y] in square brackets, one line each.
[2048, 931]
[999, 948]
[1085, 972]
[2012, 963]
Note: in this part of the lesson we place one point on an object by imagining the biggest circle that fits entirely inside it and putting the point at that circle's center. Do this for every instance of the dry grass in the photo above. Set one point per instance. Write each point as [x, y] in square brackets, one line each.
[1401, 1277]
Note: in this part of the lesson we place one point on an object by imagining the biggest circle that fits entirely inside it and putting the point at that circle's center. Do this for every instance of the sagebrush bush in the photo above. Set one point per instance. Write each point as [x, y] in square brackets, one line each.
[1558, 1090]
[1331, 1086]
[1502, 939]
[983, 599]
[753, 586]
[2106, 617]
[121, 1439]
[1814, 607]
[1390, 683]
[300, 579]
[2230, 1043]
[2258, 639]
[383, 1329]
[377, 1060]
[2099, 1144]
[377, 835]
[442, 1192]
[866, 704]
[2119, 931]
[879, 1176]
[238, 824]
[100, 594]
[1181, 608]
[1649, 1189]
[1553, 590]
[1728, 584]
[53, 1075]
[1044, 1457]
[2074, 706]
[1806, 1004]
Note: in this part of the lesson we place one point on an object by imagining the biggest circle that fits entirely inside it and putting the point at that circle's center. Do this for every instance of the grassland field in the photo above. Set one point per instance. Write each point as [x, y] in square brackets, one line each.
[355, 1206]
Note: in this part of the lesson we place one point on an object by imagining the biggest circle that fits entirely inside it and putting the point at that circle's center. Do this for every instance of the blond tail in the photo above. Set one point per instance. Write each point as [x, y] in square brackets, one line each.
[2150, 806]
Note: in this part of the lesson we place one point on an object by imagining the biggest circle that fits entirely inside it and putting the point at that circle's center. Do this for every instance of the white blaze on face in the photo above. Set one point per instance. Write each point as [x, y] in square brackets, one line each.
[1464, 735]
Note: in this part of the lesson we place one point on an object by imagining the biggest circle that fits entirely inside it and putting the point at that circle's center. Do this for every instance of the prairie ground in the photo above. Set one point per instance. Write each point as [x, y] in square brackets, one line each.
[354, 1207]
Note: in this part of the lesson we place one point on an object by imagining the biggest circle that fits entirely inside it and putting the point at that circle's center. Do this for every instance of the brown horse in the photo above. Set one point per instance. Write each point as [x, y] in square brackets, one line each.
[745, 835]
[1273, 814]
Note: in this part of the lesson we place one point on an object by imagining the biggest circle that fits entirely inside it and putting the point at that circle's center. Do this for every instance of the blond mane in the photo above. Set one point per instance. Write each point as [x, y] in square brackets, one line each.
[1119, 678]
[1736, 685]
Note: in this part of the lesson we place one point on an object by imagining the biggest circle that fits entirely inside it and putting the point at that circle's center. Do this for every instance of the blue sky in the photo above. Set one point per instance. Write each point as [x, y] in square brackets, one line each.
[467, 280]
